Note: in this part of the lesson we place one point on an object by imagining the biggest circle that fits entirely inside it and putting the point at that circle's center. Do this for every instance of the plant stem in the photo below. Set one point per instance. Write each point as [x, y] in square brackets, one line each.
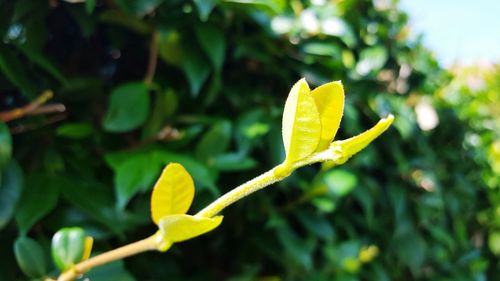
[239, 192]
[140, 246]
[153, 58]
[262, 181]
[153, 242]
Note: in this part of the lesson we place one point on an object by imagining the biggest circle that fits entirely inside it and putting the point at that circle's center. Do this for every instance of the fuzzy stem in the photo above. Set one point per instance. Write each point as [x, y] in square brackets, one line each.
[239, 192]
[154, 242]
[264, 180]
[150, 243]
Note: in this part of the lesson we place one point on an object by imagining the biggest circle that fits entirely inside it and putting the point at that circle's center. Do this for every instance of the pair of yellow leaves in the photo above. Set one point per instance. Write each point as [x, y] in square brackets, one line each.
[172, 196]
[311, 120]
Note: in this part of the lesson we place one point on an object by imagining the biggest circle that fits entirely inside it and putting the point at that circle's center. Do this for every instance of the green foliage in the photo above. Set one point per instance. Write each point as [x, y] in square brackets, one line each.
[30, 257]
[425, 198]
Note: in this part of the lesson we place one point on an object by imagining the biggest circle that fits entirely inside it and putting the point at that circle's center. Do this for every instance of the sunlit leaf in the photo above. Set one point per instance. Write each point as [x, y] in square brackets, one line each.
[329, 100]
[177, 228]
[173, 192]
[301, 123]
[353, 145]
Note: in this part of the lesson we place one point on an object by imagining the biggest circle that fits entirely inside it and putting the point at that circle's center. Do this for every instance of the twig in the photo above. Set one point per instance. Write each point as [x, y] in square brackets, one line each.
[153, 58]
[22, 111]
[50, 108]
[30, 127]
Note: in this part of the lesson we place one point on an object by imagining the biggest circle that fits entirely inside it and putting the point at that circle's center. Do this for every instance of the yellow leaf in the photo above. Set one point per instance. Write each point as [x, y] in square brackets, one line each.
[301, 123]
[173, 192]
[353, 145]
[177, 228]
[329, 99]
[88, 242]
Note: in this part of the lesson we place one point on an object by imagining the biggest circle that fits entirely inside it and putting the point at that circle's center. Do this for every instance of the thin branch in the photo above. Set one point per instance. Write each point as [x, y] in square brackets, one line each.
[140, 246]
[10, 115]
[21, 128]
[153, 58]
[50, 108]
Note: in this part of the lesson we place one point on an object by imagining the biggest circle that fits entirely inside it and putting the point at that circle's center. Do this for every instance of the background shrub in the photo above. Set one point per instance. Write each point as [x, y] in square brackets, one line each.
[418, 204]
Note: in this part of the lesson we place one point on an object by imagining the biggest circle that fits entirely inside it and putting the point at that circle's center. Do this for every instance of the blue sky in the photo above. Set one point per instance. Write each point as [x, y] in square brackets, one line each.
[458, 31]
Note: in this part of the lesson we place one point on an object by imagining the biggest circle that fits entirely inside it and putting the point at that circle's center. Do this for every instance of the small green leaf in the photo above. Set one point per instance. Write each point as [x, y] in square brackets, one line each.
[135, 174]
[128, 107]
[11, 183]
[5, 145]
[125, 20]
[139, 8]
[68, 245]
[494, 242]
[204, 7]
[340, 182]
[90, 6]
[214, 142]
[234, 162]
[15, 71]
[38, 198]
[372, 60]
[196, 68]
[75, 130]
[30, 257]
[213, 43]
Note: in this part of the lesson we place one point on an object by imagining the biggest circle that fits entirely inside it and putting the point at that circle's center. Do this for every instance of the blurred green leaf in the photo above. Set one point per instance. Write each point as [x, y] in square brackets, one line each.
[205, 7]
[125, 20]
[410, 249]
[38, 198]
[30, 257]
[213, 43]
[297, 249]
[128, 107]
[371, 59]
[340, 182]
[139, 8]
[138, 173]
[42, 62]
[195, 67]
[90, 6]
[11, 183]
[5, 145]
[214, 142]
[75, 130]
[16, 72]
[494, 242]
[233, 162]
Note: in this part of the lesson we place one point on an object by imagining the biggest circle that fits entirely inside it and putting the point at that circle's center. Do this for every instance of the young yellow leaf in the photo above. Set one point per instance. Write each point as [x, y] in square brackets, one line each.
[173, 192]
[301, 123]
[87, 250]
[353, 145]
[329, 99]
[177, 228]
